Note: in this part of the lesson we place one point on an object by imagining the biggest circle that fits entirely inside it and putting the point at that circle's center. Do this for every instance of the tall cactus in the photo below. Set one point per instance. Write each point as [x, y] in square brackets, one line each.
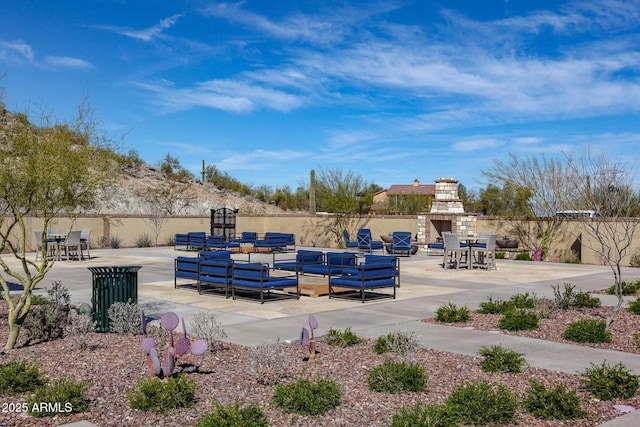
[169, 321]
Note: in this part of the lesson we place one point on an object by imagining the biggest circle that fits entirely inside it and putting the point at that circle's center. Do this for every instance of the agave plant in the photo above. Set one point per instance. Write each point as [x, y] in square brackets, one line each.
[170, 322]
[308, 340]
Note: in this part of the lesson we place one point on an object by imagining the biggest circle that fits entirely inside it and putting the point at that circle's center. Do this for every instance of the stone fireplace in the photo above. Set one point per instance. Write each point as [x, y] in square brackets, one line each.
[447, 214]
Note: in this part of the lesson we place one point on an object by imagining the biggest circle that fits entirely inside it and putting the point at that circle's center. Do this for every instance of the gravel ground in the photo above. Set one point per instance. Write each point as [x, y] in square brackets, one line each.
[116, 362]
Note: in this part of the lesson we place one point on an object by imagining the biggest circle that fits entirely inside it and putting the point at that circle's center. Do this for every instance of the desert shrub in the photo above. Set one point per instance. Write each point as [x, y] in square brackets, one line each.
[519, 320]
[205, 326]
[524, 300]
[124, 318]
[399, 342]
[38, 300]
[170, 241]
[451, 313]
[234, 416]
[501, 255]
[523, 256]
[567, 298]
[161, 396]
[423, 416]
[63, 396]
[395, 377]
[270, 363]
[115, 242]
[492, 306]
[500, 359]
[556, 403]
[635, 260]
[19, 377]
[144, 241]
[307, 398]
[634, 306]
[587, 330]
[482, 403]
[47, 321]
[338, 338]
[78, 328]
[586, 300]
[627, 288]
[610, 382]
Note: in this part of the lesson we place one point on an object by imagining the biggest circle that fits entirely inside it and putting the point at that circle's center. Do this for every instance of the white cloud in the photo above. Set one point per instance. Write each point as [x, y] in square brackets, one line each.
[147, 34]
[477, 144]
[67, 62]
[16, 50]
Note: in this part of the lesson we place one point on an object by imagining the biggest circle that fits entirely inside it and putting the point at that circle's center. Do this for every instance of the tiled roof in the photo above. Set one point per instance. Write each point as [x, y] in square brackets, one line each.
[426, 189]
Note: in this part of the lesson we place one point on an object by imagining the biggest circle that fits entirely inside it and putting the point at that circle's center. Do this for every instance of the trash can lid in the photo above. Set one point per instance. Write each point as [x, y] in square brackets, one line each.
[115, 268]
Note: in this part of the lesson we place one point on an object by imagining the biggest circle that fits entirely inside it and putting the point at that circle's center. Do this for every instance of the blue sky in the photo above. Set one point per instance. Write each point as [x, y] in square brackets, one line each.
[391, 90]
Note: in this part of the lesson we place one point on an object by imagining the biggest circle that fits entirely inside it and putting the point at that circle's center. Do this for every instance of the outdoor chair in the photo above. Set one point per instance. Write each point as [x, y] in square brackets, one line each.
[366, 244]
[484, 252]
[85, 243]
[72, 247]
[349, 244]
[50, 244]
[401, 243]
[454, 251]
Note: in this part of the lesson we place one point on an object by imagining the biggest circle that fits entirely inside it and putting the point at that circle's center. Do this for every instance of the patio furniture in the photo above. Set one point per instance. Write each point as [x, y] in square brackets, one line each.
[454, 251]
[72, 246]
[483, 253]
[181, 240]
[245, 237]
[185, 268]
[85, 241]
[334, 263]
[302, 259]
[364, 280]
[49, 243]
[215, 274]
[366, 244]
[349, 244]
[256, 278]
[401, 243]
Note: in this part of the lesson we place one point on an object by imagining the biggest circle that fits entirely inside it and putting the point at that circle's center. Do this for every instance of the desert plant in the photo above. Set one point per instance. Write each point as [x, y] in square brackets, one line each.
[501, 255]
[563, 298]
[634, 306]
[627, 288]
[482, 403]
[635, 260]
[338, 338]
[610, 382]
[19, 377]
[451, 313]
[556, 403]
[160, 396]
[587, 330]
[492, 306]
[270, 363]
[205, 326]
[115, 242]
[144, 241]
[399, 342]
[78, 329]
[234, 416]
[47, 321]
[307, 398]
[395, 377]
[586, 300]
[523, 256]
[500, 359]
[169, 322]
[124, 318]
[519, 320]
[307, 339]
[524, 300]
[63, 396]
[423, 416]
[170, 241]
[38, 300]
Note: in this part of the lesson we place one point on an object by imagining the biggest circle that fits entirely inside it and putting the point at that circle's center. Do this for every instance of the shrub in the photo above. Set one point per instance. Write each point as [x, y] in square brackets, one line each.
[499, 359]
[556, 403]
[523, 300]
[423, 416]
[610, 382]
[306, 398]
[523, 256]
[634, 306]
[501, 255]
[47, 321]
[205, 326]
[451, 313]
[19, 377]
[338, 338]
[586, 300]
[124, 318]
[144, 241]
[38, 300]
[403, 343]
[587, 330]
[234, 416]
[115, 242]
[161, 396]
[60, 397]
[635, 260]
[78, 329]
[482, 403]
[564, 298]
[270, 363]
[170, 241]
[395, 377]
[492, 306]
[519, 320]
[627, 288]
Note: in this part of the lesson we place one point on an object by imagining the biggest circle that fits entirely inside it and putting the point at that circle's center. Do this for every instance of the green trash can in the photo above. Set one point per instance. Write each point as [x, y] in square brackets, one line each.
[110, 285]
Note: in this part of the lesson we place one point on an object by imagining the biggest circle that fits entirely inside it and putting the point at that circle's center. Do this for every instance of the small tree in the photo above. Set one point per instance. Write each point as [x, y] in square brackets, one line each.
[606, 187]
[48, 171]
